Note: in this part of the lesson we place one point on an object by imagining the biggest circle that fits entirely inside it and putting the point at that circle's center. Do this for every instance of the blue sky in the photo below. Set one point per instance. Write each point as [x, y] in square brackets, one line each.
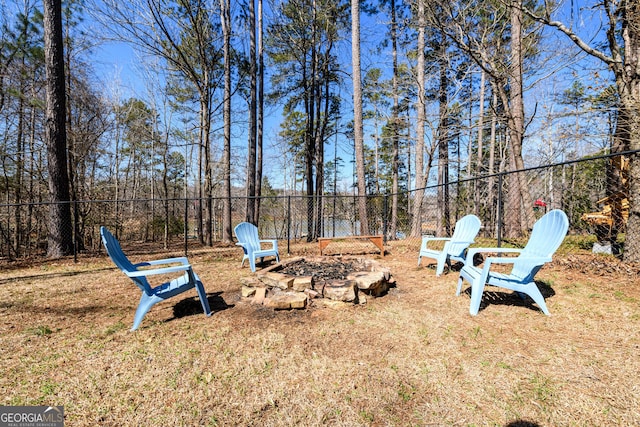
[117, 64]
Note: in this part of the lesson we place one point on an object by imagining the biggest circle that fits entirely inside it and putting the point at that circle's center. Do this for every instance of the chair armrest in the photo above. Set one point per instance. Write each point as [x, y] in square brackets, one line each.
[273, 242]
[473, 251]
[181, 260]
[503, 260]
[469, 242]
[426, 240]
[510, 260]
[165, 270]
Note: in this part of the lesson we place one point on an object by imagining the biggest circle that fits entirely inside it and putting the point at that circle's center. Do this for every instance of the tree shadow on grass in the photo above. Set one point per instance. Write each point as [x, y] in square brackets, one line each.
[492, 297]
[455, 267]
[53, 275]
[191, 306]
[522, 423]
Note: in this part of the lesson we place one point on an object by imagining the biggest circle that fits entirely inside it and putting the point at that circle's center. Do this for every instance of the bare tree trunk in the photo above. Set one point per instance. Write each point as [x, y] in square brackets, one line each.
[518, 195]
[199, 213]
[60, 241]
[420, 182]
[205, 125]
[71, 143]
[260, 114]
[478, 200]
[617, 176]
[357, 117]
[632, 242]
[251, 150]
[513, 223]
[165, 182]
[19, 171]
[226, 161]
[33, 167]
[116, 167]
[395, 154]
[492, 156]
[443, 225]
[323, 114]
[310, 147]
[319, 161]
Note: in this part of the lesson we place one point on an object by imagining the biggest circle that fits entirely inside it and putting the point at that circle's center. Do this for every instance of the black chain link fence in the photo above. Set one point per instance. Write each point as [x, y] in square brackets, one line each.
[506, 203]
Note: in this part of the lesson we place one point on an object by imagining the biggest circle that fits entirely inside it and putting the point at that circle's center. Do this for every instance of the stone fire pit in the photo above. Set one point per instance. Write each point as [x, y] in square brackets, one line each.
[299, 281]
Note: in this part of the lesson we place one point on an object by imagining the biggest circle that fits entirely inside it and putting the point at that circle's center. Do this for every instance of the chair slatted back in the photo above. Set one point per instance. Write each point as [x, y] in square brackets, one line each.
[118, 257]
[546, 237]
[465, 231]
[247, 233]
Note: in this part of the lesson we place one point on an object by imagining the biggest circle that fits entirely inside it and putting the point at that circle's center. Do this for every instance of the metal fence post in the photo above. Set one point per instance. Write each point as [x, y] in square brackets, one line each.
[76, 229]
[186, 225]
[385, 218]
[333, 221]
[499, 210]
[289, 224]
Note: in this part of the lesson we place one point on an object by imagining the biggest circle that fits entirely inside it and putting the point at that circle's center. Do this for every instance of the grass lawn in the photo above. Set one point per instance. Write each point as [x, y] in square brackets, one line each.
[414, 357]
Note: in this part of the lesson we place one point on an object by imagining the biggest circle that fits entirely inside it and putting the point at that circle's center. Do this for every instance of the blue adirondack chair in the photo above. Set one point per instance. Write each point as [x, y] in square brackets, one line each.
[547, 235]
[151, 295]
[455, 247]
[247, 235]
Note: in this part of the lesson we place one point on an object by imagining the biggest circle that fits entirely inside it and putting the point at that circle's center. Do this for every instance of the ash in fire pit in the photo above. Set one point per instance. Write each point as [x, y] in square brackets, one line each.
[296, 282]
[321, 271]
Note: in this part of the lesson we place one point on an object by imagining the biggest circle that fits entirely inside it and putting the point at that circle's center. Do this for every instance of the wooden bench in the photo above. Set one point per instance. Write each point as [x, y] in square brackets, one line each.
[376, 240]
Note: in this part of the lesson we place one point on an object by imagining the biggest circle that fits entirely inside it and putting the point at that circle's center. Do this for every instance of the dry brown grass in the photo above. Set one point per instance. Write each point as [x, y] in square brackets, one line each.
[412, 357]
